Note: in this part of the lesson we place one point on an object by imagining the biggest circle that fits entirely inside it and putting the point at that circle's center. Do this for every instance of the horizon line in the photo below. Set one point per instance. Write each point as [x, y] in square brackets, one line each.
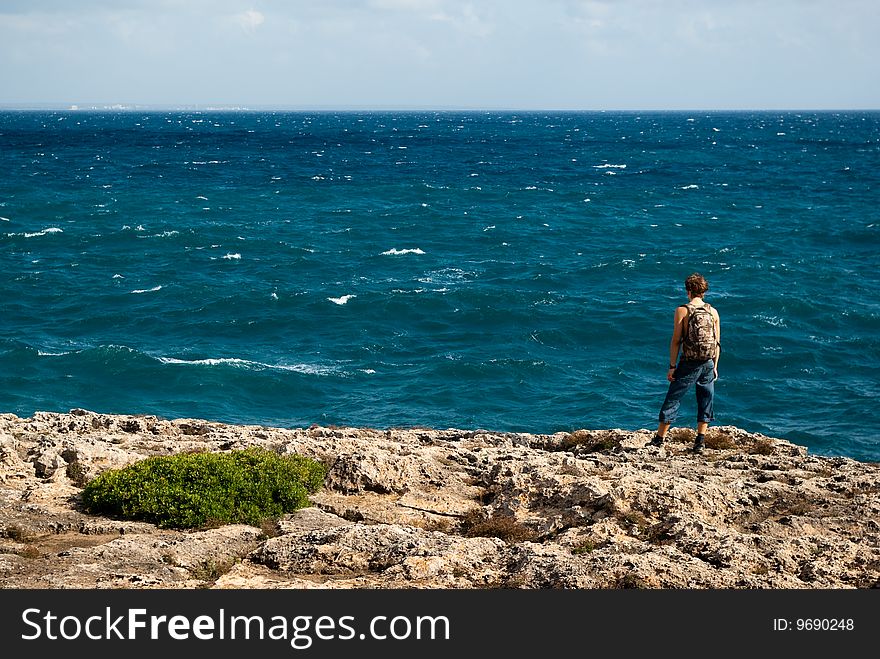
[234, 107]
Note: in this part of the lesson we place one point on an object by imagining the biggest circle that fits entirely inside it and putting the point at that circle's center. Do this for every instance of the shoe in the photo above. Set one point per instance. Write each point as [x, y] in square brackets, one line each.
[699, 445]
[657, 441]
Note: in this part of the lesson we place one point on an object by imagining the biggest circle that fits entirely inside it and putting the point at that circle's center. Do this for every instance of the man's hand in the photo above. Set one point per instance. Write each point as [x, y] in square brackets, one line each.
[670, 374]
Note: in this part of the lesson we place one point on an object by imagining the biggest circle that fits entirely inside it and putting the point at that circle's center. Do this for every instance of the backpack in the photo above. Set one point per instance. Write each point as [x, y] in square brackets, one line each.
[699, 342]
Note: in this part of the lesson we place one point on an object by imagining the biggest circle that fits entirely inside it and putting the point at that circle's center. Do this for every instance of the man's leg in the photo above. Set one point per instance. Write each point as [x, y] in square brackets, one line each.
[660, 435]
[705, 389]
[669, 409]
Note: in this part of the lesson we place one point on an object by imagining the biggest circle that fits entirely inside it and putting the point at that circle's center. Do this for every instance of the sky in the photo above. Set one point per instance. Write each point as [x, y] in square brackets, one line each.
[442, 54]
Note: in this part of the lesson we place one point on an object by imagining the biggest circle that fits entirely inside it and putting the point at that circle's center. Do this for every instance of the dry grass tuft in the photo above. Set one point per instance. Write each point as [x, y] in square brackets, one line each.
[719, 440]
[762, 447]
[590, 442]
[475, 523]
[681, 435]
[632, 580]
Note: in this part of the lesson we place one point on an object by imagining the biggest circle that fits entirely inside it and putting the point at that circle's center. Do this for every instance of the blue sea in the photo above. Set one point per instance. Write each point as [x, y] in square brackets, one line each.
[510, 271]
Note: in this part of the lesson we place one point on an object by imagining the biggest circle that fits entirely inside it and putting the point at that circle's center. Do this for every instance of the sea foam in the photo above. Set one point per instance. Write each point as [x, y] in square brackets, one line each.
[396, 252]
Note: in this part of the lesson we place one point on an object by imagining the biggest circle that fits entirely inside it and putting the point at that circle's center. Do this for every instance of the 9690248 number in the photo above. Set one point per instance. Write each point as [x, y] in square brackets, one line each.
[824, 624]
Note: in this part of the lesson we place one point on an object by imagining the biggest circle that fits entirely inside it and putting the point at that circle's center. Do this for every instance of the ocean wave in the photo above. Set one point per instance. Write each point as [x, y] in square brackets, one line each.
[396, 252]
[446, 276]
[164, 234]
[44, 232]
[146, 290]
[776, 321]
[307, 369]
[341, 300]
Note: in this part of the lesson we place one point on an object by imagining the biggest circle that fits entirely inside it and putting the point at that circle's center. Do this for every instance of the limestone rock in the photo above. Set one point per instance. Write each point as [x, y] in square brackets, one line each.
[450, 508]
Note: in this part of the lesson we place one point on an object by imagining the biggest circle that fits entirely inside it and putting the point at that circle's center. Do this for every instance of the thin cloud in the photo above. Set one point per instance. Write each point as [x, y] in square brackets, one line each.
[250, 20]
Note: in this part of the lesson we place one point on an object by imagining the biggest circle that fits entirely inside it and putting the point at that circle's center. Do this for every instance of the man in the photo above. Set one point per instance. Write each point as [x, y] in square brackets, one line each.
[697, 333]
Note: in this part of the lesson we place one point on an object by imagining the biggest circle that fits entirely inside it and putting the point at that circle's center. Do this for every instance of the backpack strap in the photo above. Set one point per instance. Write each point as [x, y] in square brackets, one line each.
[684, 322]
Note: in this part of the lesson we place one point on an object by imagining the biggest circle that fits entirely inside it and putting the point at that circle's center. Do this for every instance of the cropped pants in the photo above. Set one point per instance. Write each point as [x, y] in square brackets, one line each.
[687, 373]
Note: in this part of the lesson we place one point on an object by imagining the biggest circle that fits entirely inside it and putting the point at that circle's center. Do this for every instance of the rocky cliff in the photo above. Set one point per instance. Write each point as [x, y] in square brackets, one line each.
[423, 508]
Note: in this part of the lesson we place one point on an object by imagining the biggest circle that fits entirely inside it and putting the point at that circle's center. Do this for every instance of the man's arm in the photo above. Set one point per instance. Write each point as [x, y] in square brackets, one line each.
[717, 340]
[675, 342]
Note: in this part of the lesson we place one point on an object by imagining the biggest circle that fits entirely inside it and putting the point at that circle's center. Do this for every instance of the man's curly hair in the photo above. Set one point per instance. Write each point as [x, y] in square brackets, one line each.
[696, 284]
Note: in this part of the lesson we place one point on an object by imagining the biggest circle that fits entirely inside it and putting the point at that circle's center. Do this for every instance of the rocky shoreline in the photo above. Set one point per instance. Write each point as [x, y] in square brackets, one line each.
[429, 508]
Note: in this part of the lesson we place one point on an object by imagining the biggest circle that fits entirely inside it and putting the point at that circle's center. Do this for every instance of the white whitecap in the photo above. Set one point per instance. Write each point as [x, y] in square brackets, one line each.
[147, 290]
[776, 321]
[309, 369]
[118, 276]
[341, 300]
[44, 232]
[608, 165]
[232, 256]
[209, 362]
[690, 187]
[395, 252]
[5, 219]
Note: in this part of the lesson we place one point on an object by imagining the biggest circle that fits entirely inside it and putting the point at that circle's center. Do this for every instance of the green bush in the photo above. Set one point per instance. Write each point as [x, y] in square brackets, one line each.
[191, 490]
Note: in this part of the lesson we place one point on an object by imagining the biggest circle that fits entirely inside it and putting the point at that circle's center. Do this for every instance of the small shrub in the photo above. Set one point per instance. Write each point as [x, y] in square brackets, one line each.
[586, 547]
[76, 473]
[190, 490]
